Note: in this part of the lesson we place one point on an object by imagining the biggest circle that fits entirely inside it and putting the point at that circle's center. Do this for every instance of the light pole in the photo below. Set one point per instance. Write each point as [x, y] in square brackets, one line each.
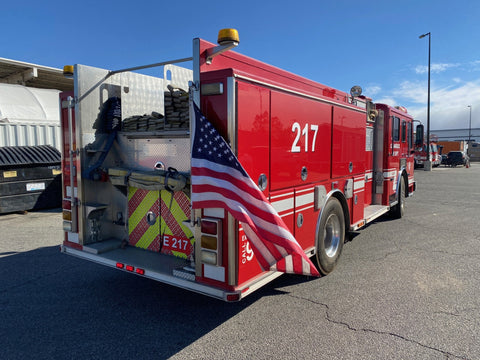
[428, 164]
[469, 127]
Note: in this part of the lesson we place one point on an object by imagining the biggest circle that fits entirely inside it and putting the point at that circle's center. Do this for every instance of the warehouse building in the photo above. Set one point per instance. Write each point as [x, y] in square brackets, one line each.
[466, 140]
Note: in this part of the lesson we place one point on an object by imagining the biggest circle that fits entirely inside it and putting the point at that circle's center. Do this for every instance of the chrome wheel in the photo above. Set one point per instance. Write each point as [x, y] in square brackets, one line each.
[332, 235]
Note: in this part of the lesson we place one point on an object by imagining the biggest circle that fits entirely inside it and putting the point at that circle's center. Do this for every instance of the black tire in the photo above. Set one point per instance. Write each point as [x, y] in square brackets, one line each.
[399, 210]
[330, 236]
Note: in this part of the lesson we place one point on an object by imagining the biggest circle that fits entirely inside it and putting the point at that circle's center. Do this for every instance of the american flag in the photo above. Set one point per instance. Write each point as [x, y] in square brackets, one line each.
[219, 181]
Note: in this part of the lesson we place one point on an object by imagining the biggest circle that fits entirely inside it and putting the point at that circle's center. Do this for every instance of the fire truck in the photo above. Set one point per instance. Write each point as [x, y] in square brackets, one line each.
[421, 155]
[421, 148]
[329, 162]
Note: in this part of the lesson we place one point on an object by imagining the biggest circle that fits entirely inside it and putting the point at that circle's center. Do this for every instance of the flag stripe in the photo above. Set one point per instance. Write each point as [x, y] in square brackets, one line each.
[272, 249]
[254, 197]
[262, 254]
[208, 168]
[235, 200]
[273, 234]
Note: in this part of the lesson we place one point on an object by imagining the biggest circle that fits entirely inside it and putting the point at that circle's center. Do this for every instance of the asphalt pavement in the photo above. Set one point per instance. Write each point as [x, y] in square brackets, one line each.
[404, 289]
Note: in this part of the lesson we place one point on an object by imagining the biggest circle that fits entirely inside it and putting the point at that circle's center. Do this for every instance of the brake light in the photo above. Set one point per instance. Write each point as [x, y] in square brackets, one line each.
[66, 204]
[233, 297]
[209, 227]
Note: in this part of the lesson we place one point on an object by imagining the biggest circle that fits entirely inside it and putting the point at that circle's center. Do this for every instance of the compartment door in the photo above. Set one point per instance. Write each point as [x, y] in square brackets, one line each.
[144, 218]
[178, 239]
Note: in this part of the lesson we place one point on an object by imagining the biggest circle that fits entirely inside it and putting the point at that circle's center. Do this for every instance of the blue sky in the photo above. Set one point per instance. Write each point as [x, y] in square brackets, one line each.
[339, 43]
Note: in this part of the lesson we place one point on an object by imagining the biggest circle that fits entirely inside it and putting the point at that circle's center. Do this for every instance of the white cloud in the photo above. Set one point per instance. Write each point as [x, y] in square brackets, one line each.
[372, 90]
[448, 104]
[387, 100]
[434, 68]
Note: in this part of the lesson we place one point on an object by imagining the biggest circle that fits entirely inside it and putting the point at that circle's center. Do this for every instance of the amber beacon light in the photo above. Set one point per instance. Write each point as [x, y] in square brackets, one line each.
[68, 71]
[227, 39]
[227, 36]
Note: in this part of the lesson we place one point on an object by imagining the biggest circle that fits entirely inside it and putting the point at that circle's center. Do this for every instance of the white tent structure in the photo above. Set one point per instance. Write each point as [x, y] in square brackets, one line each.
[29, 116]
[21, 104]
[29, 103]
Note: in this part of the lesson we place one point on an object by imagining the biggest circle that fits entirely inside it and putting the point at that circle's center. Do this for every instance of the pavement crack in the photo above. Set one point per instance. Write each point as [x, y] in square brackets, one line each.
[330, 319]
[446, 252]
[457, 313]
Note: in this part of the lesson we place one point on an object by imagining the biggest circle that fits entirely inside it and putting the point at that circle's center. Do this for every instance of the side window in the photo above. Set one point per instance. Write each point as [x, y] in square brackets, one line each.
[396, 129]
[410, 135]
[404, 130]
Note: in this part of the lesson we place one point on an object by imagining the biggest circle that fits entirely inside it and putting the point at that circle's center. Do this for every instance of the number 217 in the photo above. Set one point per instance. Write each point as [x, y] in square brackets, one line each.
[299, 132]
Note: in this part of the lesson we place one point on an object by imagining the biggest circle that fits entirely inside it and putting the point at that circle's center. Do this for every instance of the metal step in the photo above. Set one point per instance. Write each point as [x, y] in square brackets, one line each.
[372, 212]
[103, 246]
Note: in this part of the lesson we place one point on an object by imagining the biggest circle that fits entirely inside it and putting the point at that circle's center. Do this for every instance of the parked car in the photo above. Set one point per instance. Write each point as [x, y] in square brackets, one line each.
[444, 159]
[455, 158]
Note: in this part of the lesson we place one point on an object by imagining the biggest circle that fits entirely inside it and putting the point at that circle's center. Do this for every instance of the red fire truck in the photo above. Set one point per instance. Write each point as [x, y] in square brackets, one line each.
[421, 155]
[421, 150]
[328, 162]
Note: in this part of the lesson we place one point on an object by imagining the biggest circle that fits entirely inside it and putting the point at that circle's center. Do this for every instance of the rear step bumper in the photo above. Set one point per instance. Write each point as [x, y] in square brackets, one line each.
[171, 273]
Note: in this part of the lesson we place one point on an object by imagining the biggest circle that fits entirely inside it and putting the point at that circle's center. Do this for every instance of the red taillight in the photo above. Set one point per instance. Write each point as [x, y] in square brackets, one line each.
[67, 204]
[129, 268]
[120, 265]
[140, 271]
[209, 227]
[233, 297]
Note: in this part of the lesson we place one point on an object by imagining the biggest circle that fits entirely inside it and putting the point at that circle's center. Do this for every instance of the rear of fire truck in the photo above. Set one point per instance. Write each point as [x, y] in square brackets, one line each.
[126, 179]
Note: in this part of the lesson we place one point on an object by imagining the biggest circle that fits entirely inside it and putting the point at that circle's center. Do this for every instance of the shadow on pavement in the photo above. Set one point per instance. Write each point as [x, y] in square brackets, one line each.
[57, 306]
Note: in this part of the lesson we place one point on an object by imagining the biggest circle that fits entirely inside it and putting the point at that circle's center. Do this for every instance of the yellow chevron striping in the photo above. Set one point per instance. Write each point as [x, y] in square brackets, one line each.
[149, 236]
[177, 213]
[142, 209]
[139, 213]
[179, 254]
